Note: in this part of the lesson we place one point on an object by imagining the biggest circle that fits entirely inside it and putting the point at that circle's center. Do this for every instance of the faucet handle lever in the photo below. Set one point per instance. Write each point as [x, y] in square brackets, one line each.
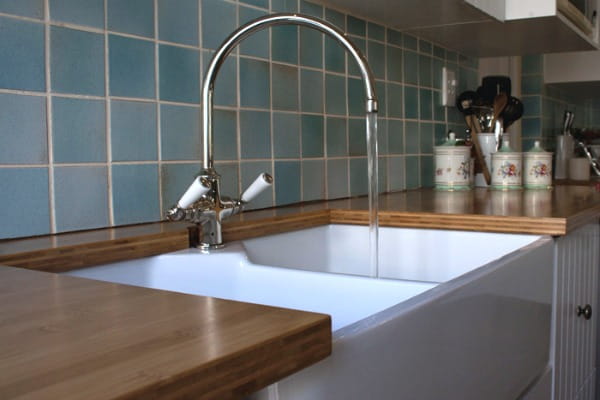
[262, 182]
[199, 187]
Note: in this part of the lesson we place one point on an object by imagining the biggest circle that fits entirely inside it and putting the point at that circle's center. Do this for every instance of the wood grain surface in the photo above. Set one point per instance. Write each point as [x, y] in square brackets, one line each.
[68, 338]
[541, 212]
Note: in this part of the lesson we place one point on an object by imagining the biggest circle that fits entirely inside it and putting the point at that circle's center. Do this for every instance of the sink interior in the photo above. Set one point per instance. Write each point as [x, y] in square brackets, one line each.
[412, 254]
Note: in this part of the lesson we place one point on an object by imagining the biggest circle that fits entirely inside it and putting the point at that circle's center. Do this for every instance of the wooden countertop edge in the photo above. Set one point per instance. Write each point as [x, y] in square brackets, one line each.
[69, 335]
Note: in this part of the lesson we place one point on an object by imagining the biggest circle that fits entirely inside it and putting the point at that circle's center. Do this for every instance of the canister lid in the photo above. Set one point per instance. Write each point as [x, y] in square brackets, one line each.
[506, 147]
[451, 140]
[537, 148]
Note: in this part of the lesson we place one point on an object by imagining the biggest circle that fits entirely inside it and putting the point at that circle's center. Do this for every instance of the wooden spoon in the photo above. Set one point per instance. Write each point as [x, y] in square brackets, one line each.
[473, 124]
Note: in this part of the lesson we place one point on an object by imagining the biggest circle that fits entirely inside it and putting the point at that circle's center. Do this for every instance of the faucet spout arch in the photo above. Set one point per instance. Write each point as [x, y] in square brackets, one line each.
[248, 29]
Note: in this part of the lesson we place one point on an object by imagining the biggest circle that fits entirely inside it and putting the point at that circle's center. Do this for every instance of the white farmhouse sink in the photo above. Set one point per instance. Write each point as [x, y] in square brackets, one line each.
[413, 254]
[453, 315]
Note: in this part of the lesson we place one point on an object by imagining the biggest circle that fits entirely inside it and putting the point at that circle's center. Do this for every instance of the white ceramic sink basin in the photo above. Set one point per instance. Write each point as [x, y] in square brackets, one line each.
[439, 322]
[409, 254]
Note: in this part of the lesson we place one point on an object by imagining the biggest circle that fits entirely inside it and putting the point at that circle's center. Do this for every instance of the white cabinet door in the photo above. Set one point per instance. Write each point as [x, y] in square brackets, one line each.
[577, 262]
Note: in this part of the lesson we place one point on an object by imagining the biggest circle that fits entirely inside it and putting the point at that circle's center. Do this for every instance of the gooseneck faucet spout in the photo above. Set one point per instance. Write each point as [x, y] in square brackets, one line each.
[202, 202]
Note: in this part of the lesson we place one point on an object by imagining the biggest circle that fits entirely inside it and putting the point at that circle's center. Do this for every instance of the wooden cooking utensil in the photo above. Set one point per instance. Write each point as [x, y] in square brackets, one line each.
[473, 124]
[500, 102]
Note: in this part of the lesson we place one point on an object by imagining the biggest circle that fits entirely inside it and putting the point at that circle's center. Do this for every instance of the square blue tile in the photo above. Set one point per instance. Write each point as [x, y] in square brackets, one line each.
[313, 136]
[336, 18]
[312, 9]
[376, 57]
[80, 12]
[394, 63]
[411, 67]
[135, 194]
[285, 87]
[395, 100]
[218, 21]
[256, 45]
[225, 138]
[412, 174]
[79, 130]
[337, 178]
[410, 42]
[395, 136]
[255, 83]
[532, 64]
[287, 186]
[311, 48]
[80, 198]
[532, 106]
[179, 70]
[531, 127]
[23, 125]
[22, 62]
[439, 132]
[361, 44]
[436, 73]
[382, 136]
[230, 178]
[24, 191]
[425, 78]
[133, 16]
[249, 171]
[382, 183]
[356, 26]
[175, 179]
[255, 134]
[133, 131]
[311, 91]
[439, 111]
[131, 66]
[381, 93]
[335, 56]
[337, 140]
[286, 135]
[411, 137]
[356, 97]
[359, 180]
[284, 44]
[396, 173]
[426, 138]
[77, 61]
[357, 138]
[335, 94]
[531, 84]
[180, 135]
[394, 37]
[425, 104]
[290, 6]
[426, 169]
[257, 3]
[226, 84]
[439, 52]
[411, 102]
[178, 21]
[24, 8]
[376, 31]
[313, 180]
[425, 46]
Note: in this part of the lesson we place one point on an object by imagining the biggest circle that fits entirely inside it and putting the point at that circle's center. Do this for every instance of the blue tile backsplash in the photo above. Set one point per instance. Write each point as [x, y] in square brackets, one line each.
[100, 113]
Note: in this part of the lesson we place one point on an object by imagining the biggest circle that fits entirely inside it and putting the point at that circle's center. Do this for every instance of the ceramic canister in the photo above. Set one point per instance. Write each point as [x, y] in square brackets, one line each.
[506, 168]
[452, 165]
[537, 171]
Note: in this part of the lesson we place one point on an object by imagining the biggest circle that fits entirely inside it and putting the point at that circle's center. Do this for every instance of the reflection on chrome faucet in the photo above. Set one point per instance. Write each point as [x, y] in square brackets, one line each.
[202, 202]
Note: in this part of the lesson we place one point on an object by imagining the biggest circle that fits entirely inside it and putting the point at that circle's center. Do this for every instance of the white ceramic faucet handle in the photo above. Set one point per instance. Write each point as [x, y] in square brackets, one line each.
[262, 182]
[198, 188]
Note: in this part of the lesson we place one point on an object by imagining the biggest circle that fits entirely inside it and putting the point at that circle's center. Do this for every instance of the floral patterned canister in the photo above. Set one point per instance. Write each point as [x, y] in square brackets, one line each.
[506, 168]
[537, 173]
[452, 165]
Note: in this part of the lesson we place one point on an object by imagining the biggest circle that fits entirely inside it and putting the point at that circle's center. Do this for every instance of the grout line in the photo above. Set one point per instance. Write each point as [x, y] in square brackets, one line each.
[108, 128]
[161, 205]
[49, 124]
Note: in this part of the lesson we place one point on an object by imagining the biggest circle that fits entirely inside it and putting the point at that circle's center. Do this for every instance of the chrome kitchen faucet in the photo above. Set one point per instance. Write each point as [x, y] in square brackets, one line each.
[202, 202]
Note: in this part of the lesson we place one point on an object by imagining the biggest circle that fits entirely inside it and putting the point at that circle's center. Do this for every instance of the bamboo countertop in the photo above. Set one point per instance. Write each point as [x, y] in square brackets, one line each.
[543, 212]
[63, 337]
